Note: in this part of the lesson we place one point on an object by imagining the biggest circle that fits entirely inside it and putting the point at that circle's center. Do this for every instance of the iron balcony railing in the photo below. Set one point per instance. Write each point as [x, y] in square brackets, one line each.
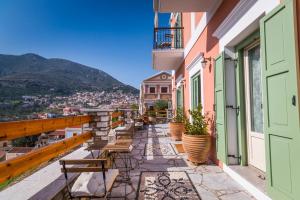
[168, 38]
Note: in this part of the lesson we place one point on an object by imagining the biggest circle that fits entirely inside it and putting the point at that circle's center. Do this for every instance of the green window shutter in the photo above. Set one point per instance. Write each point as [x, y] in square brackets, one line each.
[196, 91]
[179, 97]
[281, 101]
[220, 106]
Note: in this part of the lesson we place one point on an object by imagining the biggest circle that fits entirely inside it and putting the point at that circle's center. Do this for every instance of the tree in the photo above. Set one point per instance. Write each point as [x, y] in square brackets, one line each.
[161, 105]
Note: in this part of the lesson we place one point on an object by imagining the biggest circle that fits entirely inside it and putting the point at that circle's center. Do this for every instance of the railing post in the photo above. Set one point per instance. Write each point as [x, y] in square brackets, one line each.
[101, 122]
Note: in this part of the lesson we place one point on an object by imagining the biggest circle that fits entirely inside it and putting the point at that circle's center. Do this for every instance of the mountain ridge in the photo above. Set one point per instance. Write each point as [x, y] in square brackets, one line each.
[32, 74]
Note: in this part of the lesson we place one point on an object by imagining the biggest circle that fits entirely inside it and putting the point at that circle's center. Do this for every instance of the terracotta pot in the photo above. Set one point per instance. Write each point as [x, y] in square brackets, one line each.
[176, 130]
[152, 119]
[197, 147]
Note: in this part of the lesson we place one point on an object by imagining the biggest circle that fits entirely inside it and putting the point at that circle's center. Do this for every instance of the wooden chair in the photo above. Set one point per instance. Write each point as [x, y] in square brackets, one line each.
[95, 179]
[96, 145]
[138, 124]
[125, 132]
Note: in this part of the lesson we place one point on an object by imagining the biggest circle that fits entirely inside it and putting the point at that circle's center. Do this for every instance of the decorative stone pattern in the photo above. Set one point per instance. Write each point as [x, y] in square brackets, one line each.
[166, 185]
[161, 177]
[159, 150]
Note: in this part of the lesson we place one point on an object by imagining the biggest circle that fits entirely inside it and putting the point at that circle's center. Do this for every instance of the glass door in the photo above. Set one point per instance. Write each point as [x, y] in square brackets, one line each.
[254, 106]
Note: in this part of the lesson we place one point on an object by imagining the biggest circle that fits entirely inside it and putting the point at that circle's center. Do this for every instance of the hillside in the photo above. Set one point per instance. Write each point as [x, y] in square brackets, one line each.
[31, 74]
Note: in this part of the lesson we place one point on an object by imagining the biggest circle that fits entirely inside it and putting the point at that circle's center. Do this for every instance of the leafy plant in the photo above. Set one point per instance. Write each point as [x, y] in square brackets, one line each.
[151, 113]
[134, 106]
[179, 116]
[161, 105]
[199, 123]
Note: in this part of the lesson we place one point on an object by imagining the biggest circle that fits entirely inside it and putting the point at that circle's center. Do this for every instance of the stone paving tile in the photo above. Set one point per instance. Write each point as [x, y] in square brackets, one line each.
[210, 182]
[237, 196]
[159, 150]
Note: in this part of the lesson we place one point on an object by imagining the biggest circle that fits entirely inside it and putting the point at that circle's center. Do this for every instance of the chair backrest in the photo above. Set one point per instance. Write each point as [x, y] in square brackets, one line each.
[86, 165]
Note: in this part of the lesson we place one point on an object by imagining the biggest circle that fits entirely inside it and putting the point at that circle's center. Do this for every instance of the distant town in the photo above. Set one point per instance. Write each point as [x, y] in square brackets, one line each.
[47, 106]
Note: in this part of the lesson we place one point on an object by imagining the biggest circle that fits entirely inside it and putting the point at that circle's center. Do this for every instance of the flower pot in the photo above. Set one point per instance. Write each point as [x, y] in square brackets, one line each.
[176, 130]
[152, 119]
[197, 147]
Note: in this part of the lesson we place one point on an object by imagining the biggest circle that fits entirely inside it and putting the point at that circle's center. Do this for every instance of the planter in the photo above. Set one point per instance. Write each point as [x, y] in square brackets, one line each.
[197, 147]
[176, 130]
[152, 119]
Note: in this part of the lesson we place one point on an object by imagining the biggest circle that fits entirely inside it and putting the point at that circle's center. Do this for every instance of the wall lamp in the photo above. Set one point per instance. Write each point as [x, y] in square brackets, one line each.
[182, 82]
[205, 61]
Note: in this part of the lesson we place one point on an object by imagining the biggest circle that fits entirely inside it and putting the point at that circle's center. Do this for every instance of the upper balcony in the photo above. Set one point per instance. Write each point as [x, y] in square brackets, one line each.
[167, 6]
[168, 50]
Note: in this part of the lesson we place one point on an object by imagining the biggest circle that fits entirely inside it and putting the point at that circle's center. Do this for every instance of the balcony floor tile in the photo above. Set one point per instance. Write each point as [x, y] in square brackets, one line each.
[165, 173]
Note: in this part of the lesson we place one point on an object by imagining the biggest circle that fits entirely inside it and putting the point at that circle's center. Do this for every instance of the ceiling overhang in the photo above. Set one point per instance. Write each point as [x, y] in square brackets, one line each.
[167, 6]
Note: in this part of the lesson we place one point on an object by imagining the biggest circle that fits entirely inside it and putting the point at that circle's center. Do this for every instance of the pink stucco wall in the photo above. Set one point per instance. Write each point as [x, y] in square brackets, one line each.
[209, 45]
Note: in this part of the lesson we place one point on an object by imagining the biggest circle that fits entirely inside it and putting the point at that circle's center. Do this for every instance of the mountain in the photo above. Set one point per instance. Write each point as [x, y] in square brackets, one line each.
[31, 74]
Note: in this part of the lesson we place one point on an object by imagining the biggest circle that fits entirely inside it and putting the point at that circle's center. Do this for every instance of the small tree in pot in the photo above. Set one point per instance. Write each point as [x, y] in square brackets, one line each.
[176, 126]
[152, 116]
[196, 140]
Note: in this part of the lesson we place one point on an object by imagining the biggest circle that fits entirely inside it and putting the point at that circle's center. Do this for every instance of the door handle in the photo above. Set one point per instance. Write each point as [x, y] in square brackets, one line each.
[237, 108]
[294, 100]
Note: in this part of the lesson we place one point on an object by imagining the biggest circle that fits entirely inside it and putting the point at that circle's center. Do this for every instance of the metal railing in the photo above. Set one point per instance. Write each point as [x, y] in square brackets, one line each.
[168, 38]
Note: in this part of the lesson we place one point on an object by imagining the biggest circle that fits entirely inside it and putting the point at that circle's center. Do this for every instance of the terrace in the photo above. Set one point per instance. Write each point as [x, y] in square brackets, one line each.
[158, 166]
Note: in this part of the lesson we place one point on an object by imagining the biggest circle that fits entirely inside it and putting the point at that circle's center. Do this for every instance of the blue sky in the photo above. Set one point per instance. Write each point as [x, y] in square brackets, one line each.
[114, 36]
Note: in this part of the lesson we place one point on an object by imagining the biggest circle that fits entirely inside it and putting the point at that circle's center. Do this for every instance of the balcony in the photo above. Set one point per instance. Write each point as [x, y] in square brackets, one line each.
[168, 49]
[155, 159]
[167, 6]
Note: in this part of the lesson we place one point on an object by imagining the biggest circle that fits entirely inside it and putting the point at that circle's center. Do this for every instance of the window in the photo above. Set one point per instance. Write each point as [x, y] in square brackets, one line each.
[164, 89]
[196, 91]
[152, 90]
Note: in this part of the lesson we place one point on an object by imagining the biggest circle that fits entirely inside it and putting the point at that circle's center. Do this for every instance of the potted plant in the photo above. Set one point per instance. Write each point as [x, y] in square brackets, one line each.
[196, 140]
[176, 126]
[152, 116]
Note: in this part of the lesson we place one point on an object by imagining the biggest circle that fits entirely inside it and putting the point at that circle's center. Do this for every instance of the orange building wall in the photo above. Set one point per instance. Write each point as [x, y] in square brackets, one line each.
[186, 22]
[198, 16]
[209, 45]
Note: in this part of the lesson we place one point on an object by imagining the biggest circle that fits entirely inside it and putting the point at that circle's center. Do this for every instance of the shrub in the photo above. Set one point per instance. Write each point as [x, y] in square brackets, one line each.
[151, 113]
[199, 123]
[179, 116]
[161, 105]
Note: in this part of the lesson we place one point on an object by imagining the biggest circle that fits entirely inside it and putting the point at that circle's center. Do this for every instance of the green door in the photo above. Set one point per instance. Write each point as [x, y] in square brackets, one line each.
[220, 109]
[196, 93]
[281, 102]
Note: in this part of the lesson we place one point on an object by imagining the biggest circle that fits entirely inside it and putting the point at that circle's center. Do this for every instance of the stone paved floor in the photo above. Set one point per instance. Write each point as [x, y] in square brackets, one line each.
[160, 172]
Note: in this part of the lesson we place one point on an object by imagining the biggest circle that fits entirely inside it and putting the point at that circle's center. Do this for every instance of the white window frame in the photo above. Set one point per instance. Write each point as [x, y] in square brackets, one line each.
[193, 69]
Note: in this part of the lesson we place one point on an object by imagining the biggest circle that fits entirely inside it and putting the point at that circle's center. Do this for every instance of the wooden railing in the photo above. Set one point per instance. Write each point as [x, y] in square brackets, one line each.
[17, 129]
[11, 130]
[16, 166]
[158, 113]
[116, 121]
[161, 113]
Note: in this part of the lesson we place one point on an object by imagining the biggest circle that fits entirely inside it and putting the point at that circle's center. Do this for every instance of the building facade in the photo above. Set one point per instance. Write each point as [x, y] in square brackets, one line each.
[239, 59]
[157, 87]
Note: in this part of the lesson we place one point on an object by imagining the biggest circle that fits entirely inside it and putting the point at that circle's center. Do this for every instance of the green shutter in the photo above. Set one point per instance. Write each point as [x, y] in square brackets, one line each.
[220, 106]
[179, 97]
[281, 102]
[196, 93]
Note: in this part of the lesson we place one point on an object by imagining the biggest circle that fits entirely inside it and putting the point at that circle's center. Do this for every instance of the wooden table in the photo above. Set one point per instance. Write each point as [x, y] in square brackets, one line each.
[97, 146]
[120, 150]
